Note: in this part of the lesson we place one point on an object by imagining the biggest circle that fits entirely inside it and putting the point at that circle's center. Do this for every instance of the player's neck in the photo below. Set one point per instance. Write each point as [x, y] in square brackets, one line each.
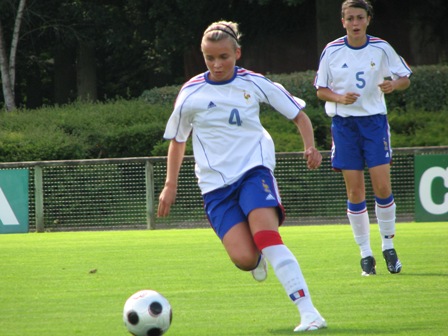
[356, 42]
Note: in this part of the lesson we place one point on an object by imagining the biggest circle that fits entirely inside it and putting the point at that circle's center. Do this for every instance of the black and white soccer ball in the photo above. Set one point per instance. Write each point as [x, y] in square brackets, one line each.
[147, 313]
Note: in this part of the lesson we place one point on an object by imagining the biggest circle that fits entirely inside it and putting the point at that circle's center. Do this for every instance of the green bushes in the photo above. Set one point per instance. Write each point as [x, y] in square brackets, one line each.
[300, 84]
[82, 131]
[126, 128]
[414, 128]
[428, 90]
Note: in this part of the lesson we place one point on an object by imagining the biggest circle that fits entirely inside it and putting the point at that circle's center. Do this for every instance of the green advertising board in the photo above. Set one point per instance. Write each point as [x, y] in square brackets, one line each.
[14, 201]
[431, 188]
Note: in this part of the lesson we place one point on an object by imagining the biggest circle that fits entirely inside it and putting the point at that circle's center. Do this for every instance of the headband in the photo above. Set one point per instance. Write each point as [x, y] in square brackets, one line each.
[231, 33]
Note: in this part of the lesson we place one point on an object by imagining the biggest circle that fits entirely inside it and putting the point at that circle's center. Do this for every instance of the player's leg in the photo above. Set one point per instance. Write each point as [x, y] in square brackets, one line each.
[240, 247]
[347, 156]
[230, 224]
[378, 158]
[359, 218]
[264, 225]
[385, 209]
[260, 201]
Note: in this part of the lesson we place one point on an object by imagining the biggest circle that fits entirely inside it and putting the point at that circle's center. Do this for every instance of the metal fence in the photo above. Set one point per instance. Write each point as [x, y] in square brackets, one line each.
[123, 193]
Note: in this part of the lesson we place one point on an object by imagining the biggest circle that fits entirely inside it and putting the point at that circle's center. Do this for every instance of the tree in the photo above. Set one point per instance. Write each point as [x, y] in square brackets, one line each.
[88, 50]
[8, 67]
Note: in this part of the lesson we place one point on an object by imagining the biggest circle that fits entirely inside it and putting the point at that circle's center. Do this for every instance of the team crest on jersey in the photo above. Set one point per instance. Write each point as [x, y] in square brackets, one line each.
[372, 64]
[246, 96]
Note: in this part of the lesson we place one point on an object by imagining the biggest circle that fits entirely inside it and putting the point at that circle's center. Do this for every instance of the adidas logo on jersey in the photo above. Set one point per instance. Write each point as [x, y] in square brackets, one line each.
[211, 105]
[387, 154]
[345, 66]
[270, 198]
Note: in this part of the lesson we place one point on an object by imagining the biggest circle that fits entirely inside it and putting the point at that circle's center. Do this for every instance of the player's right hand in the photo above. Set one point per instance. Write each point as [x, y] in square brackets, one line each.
[348, 98]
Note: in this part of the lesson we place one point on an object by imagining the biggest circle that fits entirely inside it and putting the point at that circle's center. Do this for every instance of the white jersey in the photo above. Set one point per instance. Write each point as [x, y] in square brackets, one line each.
[228, 138]
[345, 69]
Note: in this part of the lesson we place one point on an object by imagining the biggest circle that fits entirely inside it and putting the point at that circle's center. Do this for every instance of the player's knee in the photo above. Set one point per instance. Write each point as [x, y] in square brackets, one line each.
[246, 262]
[383, 191]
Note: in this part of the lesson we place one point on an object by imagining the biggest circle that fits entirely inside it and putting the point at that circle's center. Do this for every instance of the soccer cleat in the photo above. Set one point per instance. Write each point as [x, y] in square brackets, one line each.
[392, 262]
[368, 265]
[260, 273]
[310, 322]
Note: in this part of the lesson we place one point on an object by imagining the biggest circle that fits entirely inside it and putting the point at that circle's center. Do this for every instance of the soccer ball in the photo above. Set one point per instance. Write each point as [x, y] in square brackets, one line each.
[147, 313]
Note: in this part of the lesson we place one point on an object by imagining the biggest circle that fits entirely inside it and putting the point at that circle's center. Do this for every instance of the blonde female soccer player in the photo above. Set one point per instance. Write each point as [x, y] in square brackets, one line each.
[235, 161]
[355, 72]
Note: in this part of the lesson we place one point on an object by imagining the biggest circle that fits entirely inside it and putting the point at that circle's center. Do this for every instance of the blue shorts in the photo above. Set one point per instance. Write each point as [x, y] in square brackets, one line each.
[360, 141]
[228, 206]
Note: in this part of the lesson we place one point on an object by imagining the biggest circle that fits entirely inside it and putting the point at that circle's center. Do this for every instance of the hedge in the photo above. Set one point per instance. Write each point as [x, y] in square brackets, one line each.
[428, 90]
[125, 128]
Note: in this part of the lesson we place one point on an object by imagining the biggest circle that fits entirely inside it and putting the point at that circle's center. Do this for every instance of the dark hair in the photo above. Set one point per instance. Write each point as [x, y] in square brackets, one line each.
[364, 4]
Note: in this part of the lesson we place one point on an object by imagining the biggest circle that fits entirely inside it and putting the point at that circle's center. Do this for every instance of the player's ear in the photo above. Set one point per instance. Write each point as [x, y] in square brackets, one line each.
[238, 53]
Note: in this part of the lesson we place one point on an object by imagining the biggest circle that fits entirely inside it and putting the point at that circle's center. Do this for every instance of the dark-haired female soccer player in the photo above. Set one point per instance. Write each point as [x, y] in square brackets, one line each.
[355, 72]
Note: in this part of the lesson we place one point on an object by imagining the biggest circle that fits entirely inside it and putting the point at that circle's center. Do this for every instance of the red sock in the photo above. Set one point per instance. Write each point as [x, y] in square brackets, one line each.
[267, 238]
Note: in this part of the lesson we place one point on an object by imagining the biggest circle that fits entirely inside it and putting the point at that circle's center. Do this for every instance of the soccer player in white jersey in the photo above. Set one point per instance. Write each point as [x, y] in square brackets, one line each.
[235, 160]
[355, 71]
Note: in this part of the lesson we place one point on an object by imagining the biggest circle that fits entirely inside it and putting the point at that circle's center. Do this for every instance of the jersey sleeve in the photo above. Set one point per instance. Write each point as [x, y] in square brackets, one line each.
[322, 76]
[397, 65]
[179, 124]
[281, 99]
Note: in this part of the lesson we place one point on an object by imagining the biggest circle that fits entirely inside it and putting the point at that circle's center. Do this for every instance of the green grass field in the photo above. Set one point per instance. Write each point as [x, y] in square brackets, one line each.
[47, 286]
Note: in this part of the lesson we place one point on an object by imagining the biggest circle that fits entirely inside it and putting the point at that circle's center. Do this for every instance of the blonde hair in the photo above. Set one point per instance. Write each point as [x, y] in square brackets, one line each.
[220, 30]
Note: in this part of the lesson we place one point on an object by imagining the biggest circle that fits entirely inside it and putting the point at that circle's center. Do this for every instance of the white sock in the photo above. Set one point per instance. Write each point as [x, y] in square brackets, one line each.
[385, 212]
[358, 217]
[290, 275]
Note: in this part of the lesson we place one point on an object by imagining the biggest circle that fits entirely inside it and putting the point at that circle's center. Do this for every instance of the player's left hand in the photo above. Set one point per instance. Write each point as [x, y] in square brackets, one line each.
[387, 86]
[166, 199]
[313, 158]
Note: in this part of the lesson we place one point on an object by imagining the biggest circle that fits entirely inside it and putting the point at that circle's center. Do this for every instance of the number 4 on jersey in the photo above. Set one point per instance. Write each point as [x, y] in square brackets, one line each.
[234, 118]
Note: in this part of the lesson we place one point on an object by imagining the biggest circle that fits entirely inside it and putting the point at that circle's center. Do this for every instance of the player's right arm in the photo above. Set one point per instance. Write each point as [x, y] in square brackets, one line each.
[328, 95]
[176, 152]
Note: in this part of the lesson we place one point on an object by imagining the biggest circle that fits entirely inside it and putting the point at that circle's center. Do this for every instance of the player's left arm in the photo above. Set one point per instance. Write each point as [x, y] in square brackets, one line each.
[305, 127]
[399, 70]
[389, 86]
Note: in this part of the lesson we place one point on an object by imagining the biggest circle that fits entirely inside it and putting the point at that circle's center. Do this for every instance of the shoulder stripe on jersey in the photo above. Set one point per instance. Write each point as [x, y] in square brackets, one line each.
[245, 72]
[377, 41]
[374, 39]
[337, 42]
[199, 79]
